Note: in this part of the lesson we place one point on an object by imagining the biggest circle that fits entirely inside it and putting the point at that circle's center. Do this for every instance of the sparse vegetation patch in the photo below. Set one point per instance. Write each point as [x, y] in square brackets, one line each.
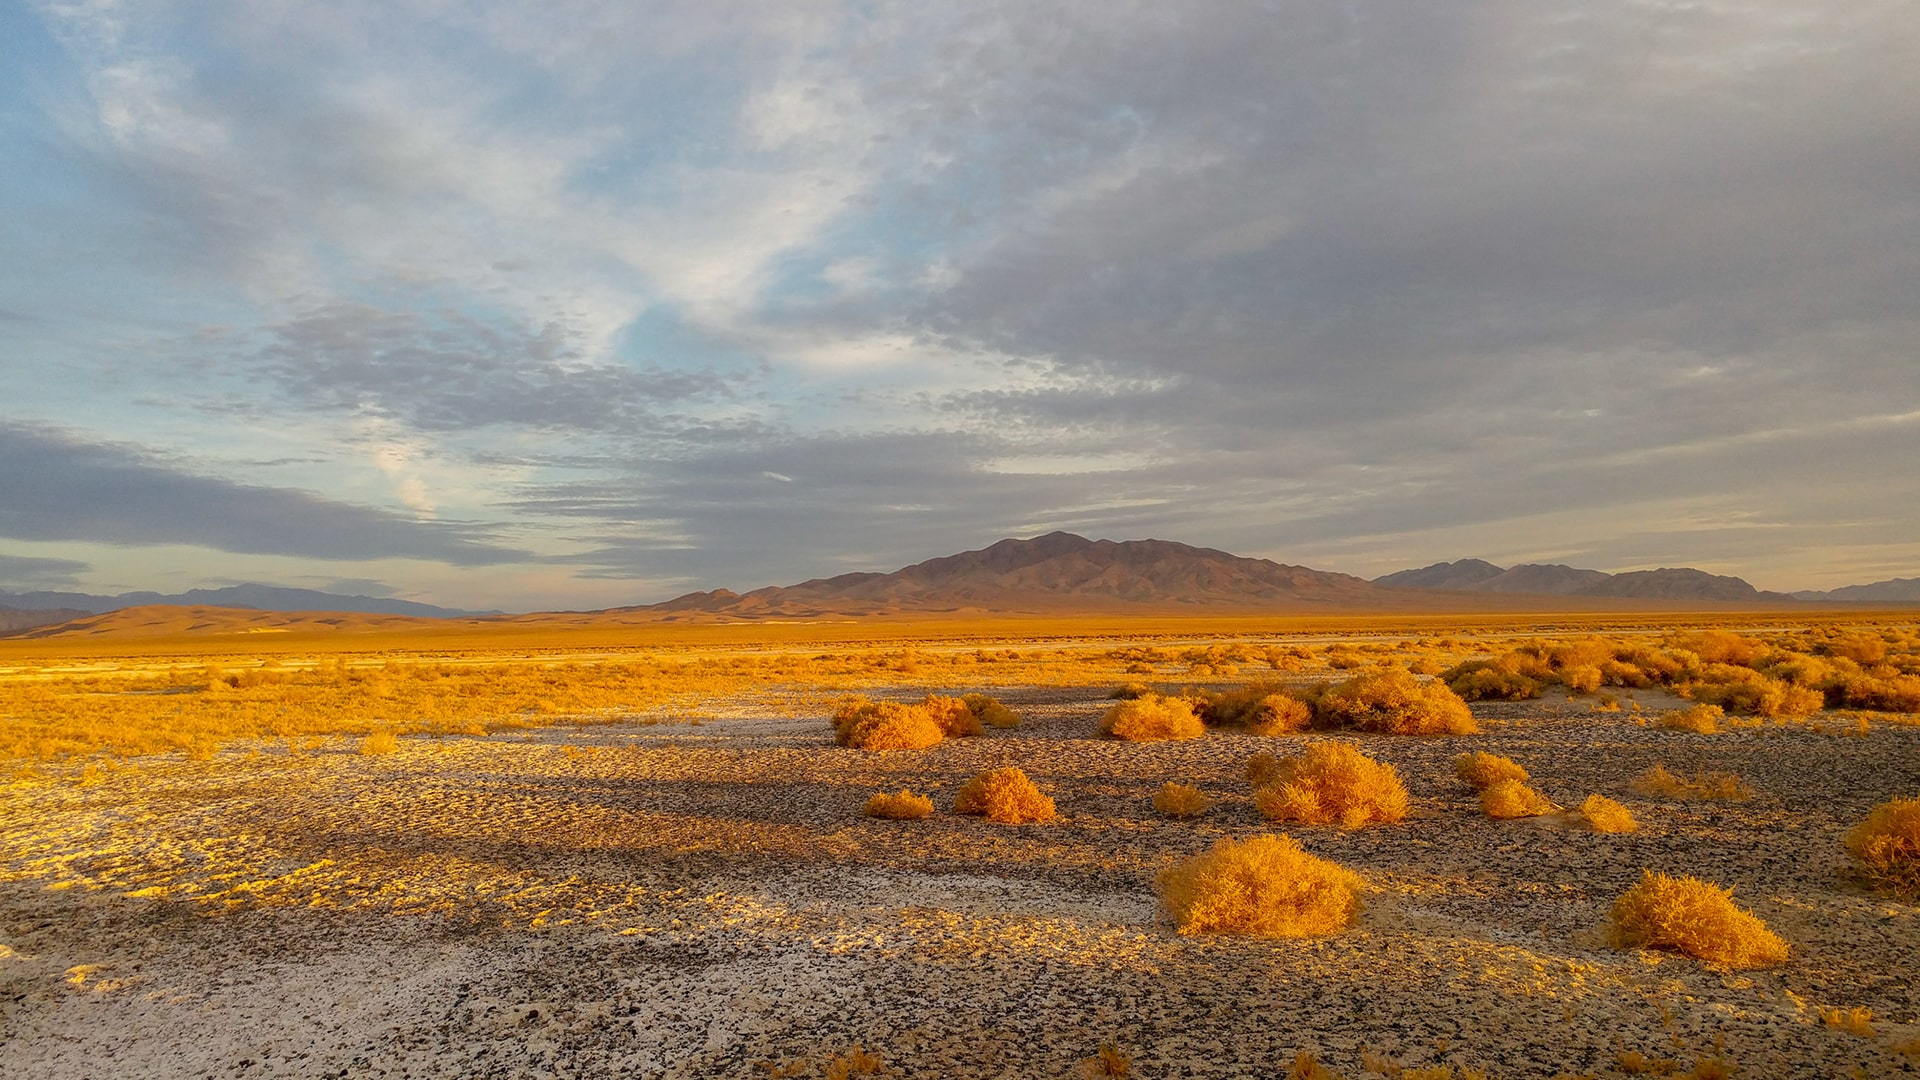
[1694, 917]
[1887, 846]
[1152, 717]
[1328, 783]
[1266, 886]
[1004, 795]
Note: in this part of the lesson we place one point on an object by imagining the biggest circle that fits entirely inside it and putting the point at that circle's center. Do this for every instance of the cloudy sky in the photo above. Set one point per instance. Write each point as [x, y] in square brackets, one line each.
[576, 304]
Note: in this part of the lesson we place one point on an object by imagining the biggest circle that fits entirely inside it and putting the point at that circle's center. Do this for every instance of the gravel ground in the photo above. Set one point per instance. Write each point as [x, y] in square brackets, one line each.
[708, 901]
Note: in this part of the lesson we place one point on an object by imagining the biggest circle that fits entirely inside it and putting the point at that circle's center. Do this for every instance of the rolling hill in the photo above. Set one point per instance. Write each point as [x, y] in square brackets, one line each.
[1554, 579]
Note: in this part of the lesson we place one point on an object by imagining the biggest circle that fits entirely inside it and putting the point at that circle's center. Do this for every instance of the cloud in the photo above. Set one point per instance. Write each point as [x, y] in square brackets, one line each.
[57, 486]
[26, 573]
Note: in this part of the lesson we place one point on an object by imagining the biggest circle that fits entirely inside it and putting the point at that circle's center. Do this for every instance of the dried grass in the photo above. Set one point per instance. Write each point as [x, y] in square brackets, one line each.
[1693, 917]
[1887, 847]
[1264, 886]
[1181, 800]
[1660, 783]
[1699, 719]
[1603, 815]
[1392, 701]
[1003, 795]
[1509, 799]
[886, 725]
[1327, 783]
[1482, 770]
[904, 806]
[1151, 718]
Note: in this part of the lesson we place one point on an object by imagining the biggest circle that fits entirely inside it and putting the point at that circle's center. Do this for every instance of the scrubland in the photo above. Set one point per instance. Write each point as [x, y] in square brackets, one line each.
[1412, 848]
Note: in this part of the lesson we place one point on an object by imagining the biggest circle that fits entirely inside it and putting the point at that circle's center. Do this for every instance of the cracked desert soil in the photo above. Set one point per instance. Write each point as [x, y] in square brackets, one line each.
[701, 901]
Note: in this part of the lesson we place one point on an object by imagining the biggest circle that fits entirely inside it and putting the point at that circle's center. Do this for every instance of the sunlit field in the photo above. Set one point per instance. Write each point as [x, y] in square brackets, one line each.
[1537, 846]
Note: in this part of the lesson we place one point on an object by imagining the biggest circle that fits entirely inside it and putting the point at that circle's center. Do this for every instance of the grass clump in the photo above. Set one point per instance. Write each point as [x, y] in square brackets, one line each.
[956, 719]
[1003, 795]
[1181, 800]
[991, 712]
[1700, 719]
[1508, 799]
[1659, 782]
[1887, 846]
[1108, 1060]
[1603, 815]
[1264, 886]
[1482, 770]
[1854, 1021]
[1150, 718]
[1263, 708]
[1693, 917]
[905, 806]
[1392, 701]
[886, 725]
[379, 742]
[1329, 782]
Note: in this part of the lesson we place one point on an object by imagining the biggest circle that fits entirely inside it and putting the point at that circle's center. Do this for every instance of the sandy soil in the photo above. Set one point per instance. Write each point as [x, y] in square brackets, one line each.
[701, 901]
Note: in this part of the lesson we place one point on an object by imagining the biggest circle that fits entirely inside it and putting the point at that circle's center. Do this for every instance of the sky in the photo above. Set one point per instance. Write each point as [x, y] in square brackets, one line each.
[567, 304]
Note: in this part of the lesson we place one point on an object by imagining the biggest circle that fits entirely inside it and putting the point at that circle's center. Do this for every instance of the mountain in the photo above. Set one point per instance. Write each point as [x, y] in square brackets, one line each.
[1554, 579]
[1449, 576]
[12, 618]
[156, 620]
[1903, 590]
[1055, 571]
[250, 596]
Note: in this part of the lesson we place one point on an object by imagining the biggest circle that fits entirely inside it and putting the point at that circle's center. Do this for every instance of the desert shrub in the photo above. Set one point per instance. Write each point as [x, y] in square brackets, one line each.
[1887, 846]
[1481, 769]
[1262, 708]
[1603, 815]
[379, 742]
[1859, 648]
[1331, 782]
[1003, 795]
[1307, 1067]
[1694, 917]
[885, 725]
[855, 1062]
[1261, 770]
[1266, 886]
[1507, 799]
[1721, 647]
[1181, 800]
[1130, 692]
[1744, 690]
[1699, 719]
[1278, 714]
[1489, 680]
[956, 719]
[1108, 1060]
[1887, 693]
[1660, 783]
[905, 806]
[1854, 1021]
[1392, 701]
[1151, 717]
[991, 712]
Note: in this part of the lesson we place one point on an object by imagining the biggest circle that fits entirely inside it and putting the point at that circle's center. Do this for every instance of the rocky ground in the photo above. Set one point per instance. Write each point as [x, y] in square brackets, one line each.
[691, 901]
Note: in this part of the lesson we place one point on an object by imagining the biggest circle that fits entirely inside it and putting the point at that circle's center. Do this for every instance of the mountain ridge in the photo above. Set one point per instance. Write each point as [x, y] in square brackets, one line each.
[1556, 579]
[248, 596]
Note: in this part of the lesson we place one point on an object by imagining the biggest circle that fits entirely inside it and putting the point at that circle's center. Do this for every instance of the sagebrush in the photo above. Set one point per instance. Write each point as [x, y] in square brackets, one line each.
[1265, 886]
[1329, 782]
[1694, 917]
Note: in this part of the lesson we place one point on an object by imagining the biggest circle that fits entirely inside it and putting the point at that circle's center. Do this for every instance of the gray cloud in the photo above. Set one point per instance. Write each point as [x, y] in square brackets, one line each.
[59, 487]
[25, 572]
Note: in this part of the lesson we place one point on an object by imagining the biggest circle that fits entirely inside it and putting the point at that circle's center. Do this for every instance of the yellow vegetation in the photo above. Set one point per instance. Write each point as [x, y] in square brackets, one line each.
[1307, 1067]
[1855, 1021]
[379, 742]
[1151, 717]
[855, 1062]
[1181, 800]
[1603, 815]
[1108, 1060]
[956, 719]
[1481, 769]
[905, 806]
[1266, 886]
[1392, 701]
[1003, 795]
[991, 712]
[1694, 917]
[1659, 783]
[1329, 782]
[1699, 719]
[886, 725]
[1507, 799]
[1887, 846]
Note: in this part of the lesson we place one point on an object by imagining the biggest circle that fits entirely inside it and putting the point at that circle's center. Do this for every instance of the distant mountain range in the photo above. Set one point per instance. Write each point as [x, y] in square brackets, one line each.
[1900, 590]
[19, 610]
[1051, 572]
[1553, 579]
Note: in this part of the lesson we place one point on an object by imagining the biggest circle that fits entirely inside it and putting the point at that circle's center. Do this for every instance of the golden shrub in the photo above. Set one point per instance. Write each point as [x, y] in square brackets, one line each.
[1278, 714]
[1693, 917]
[885, 725]
[1151, 717]
[1108, 1060]
[1854, 1021]
[1490, 679]
[1003, 795]
[1266, 886]
[379, 742]
[1887, 846]
[1331, 782]
[957, 720]
[1508, 799]
[905, 806]
[1699, 719]
[991, 712]
[1660, 783]
[1603, 815]
[855, 1062]
[1181, 800]
[1481, 769]
[1307, 1067]
[1261, 769]
[1390, 700]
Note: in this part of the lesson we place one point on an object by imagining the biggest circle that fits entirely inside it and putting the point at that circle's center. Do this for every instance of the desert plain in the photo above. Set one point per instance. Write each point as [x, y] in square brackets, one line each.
[639, 852]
